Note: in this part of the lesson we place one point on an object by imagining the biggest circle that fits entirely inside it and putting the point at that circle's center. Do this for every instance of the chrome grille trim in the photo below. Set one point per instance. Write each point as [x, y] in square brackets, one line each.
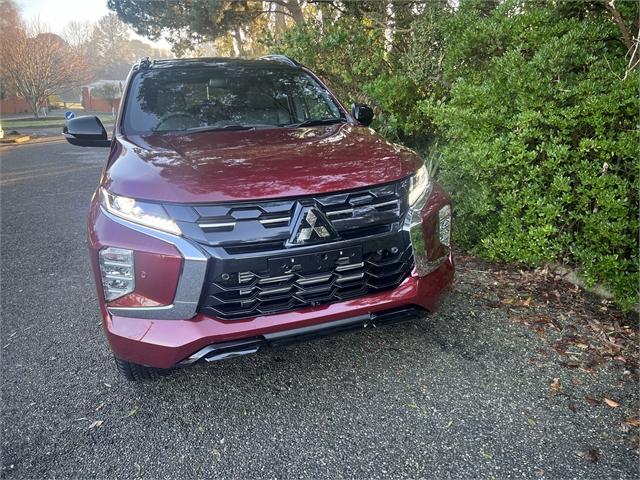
[269, 221]
[217, 225]
[342, 268]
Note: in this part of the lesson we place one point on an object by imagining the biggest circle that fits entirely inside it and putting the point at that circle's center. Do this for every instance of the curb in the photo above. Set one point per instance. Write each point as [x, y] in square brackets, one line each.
[13, 139]
[34, 141]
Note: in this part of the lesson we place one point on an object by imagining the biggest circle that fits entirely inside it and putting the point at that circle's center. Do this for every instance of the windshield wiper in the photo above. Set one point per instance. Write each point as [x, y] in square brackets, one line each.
[315, 121]
[211, 128]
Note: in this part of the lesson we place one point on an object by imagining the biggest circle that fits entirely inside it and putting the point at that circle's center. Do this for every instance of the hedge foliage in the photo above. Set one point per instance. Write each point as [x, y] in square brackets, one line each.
[531, 113]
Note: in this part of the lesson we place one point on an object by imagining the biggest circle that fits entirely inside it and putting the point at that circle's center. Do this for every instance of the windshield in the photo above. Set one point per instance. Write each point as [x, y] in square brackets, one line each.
[225, 97]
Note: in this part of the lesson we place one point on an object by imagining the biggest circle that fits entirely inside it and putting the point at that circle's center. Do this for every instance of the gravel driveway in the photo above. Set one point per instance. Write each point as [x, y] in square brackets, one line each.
[488, 387]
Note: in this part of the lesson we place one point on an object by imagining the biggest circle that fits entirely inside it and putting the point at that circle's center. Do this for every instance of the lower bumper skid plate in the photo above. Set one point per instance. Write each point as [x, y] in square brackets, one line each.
[236, 348]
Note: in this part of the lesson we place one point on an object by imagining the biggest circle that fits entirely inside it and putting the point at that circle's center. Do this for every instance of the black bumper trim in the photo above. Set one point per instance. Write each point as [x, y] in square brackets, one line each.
[236, 348]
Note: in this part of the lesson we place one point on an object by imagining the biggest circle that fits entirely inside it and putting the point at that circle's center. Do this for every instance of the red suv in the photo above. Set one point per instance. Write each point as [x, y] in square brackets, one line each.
[242, 206]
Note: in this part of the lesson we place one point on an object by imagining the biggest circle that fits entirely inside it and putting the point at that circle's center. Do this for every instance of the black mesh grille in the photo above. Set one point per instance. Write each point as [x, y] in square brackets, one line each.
[246, 293]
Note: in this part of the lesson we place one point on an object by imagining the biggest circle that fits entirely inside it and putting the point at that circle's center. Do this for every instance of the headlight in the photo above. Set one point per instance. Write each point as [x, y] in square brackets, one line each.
[420, 186]
[148, 214]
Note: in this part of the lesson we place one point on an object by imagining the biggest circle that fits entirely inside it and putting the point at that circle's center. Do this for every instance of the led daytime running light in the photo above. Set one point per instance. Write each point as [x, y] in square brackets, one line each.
[420, 185]
[149, 214]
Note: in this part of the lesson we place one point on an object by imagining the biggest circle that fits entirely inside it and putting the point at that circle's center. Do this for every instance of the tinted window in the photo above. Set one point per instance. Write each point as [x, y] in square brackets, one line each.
[174, 99]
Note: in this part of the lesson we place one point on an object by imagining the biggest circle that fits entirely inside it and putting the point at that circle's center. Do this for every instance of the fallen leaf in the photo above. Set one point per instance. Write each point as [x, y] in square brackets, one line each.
[555, 386]
[100, 407]
[591, 400]
[593, 454]
[611, 403]
[634, 421]
[527, 302]
[569, 364]
[488, 456]
[132, 412]
[543, 319]
[572, 406]
[96, 424]
[531, 422]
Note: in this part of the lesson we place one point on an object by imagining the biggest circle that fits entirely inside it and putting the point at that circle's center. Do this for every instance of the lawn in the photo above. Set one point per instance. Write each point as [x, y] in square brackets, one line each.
[48, 122]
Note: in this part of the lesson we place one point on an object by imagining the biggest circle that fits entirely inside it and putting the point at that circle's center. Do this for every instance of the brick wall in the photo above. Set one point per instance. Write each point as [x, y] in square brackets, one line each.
[91, 104]
[15, 104]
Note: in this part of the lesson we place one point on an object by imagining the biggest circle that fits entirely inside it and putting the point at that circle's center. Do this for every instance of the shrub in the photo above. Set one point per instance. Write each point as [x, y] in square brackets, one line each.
[541, 149]
[528, 110]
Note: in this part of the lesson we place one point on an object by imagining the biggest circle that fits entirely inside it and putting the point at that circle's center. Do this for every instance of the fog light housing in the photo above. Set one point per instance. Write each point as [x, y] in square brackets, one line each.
[117, 271]
[444, 225]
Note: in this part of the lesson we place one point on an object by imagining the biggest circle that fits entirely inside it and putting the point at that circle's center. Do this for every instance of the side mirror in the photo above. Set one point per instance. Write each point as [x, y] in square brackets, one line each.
[86, 131]
[362, 113]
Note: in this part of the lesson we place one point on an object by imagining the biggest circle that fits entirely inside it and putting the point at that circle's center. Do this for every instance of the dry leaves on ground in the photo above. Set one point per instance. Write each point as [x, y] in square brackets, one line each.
[555, 386]
[96, 424]
[592, 331]
[611, 403]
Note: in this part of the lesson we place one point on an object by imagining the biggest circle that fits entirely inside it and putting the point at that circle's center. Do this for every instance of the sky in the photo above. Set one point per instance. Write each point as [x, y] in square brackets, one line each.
[57, 13]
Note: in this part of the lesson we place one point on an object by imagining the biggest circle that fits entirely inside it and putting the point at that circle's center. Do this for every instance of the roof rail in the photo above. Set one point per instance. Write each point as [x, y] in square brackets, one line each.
[282, 59]
[144, 63]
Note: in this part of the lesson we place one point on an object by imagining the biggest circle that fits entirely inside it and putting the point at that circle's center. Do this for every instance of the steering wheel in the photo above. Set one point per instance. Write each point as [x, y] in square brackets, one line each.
[170, 116]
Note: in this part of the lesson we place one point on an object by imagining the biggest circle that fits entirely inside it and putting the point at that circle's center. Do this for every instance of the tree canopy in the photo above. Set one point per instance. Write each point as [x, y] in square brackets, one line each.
[186, 24]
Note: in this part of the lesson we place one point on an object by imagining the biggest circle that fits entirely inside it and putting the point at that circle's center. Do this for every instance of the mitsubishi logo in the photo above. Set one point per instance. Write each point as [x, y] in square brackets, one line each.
[310, 226]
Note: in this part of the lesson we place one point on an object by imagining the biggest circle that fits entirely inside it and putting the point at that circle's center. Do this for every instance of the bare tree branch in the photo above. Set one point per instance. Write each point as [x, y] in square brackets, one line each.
[39, 64]
[632, 44]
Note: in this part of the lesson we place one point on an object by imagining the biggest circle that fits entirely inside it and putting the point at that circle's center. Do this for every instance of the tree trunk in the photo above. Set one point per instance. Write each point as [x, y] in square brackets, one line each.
[280, 25]
[294, 8]
[33, 105]
[627, 39]
[402, 17]
[238, 42]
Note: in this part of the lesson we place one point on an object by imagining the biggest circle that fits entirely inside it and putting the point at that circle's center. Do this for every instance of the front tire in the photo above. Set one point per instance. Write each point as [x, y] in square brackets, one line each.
[138, 373]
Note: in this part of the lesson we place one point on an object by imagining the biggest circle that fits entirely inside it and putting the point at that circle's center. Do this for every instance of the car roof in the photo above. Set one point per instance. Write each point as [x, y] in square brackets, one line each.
[270, 61]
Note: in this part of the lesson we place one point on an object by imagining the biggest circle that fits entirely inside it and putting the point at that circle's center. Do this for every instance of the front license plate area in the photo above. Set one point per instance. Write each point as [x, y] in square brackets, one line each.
[314, 262]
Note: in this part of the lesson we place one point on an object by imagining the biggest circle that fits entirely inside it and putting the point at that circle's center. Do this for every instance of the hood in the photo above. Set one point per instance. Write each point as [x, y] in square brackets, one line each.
[254, 164]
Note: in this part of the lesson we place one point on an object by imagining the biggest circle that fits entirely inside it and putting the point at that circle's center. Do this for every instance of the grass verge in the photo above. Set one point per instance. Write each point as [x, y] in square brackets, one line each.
[49, 122]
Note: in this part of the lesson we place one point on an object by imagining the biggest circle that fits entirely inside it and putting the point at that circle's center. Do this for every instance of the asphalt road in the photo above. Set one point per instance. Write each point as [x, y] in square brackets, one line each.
[455, 395]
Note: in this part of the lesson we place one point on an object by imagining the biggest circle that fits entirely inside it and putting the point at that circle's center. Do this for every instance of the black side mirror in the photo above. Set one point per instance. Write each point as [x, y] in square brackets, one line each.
[86, 131]
[362, 113]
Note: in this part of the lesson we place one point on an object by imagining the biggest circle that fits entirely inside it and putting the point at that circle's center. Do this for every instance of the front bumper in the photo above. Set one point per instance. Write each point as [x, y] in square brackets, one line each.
[168, 333]
[165, 343]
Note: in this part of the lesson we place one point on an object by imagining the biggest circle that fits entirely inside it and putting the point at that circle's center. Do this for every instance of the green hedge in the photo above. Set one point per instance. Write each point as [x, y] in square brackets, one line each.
[527, 107]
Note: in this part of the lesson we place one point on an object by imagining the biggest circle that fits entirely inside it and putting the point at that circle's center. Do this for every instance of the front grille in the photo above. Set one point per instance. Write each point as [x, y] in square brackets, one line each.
[248, 241]
[245, 293]
[265, 225]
